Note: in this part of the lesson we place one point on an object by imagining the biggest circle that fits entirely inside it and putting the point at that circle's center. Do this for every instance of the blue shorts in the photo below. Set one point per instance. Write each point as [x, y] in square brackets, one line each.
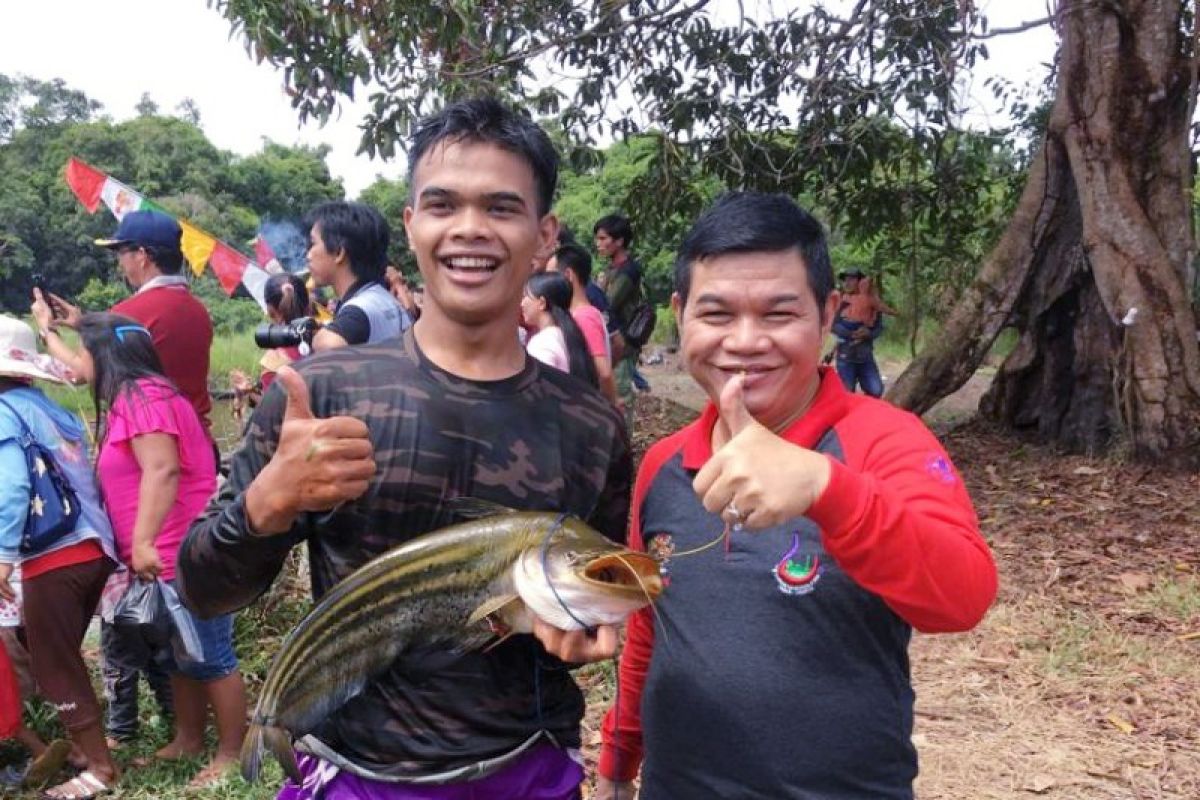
[216, 640]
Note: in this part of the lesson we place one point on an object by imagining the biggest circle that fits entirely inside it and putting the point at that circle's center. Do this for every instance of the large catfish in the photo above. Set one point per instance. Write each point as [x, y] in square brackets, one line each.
[463, 586]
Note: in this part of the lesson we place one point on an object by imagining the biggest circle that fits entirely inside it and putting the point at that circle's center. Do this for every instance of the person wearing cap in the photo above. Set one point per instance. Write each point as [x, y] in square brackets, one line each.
[856, 339]
[62, 582]
[147, 246]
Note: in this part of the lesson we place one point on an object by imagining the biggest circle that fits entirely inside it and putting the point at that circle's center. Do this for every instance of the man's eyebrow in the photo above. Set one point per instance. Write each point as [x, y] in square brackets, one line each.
[435, 193]
[504, 197]
[775, 300]
[439, 193]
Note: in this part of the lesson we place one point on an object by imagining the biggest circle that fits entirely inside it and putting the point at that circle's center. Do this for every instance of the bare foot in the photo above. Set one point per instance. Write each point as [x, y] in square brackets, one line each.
[213, 773]
[175, 750]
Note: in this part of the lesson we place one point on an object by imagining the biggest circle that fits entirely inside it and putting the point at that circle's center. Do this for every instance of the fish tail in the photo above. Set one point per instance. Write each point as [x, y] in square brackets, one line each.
[259, 739]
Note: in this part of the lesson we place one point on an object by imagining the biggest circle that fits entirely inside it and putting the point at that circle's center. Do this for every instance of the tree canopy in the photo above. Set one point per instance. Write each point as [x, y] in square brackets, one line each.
[854, 107]
[44, 229]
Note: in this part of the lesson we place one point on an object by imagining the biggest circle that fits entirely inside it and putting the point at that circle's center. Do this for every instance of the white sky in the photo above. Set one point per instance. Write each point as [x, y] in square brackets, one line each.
[114, 50]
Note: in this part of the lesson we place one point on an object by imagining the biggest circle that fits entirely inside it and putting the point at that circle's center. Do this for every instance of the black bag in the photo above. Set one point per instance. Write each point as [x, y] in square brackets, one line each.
[53, 504]
[640, 326]
[151, 611]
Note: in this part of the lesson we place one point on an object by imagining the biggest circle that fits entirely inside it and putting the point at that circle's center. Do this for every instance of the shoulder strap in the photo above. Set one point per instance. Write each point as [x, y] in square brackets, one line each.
[20, 420]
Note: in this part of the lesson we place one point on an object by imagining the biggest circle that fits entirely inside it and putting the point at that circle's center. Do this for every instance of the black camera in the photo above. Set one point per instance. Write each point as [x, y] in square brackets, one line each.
[270, 335]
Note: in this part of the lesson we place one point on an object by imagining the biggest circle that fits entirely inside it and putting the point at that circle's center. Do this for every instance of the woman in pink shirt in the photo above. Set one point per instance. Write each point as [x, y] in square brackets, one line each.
[557, 340]
[156, 475]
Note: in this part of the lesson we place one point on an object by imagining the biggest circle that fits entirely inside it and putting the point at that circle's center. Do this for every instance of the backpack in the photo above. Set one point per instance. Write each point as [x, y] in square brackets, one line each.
[640, 326]
[53, 504]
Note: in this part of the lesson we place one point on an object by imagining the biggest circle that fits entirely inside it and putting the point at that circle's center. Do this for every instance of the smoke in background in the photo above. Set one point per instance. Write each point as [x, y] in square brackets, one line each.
[288, 242]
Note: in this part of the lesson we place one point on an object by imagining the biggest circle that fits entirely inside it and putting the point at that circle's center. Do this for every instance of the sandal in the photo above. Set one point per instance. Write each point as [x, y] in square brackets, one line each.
[43, 768]
[83, 786]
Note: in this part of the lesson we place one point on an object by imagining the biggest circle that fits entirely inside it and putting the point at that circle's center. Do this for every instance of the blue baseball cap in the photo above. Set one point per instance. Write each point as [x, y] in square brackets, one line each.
[146, 228]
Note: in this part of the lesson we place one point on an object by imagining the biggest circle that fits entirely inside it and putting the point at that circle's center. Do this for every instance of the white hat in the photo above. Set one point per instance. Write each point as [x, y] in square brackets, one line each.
[19, 357]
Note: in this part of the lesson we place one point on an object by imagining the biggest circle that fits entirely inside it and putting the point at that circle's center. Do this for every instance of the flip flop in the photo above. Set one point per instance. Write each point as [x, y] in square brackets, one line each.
[83, 786]
[48, 764]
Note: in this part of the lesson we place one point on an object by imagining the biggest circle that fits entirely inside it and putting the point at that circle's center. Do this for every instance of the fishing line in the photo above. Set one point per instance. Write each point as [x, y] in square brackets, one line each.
[546, 571]
[722, 536]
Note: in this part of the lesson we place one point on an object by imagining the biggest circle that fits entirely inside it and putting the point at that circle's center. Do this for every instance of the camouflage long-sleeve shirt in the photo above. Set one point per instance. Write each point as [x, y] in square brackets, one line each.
[537, 441]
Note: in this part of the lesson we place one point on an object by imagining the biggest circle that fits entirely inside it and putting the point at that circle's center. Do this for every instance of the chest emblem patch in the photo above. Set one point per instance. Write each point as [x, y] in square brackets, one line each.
[797, 576]
[662, 547]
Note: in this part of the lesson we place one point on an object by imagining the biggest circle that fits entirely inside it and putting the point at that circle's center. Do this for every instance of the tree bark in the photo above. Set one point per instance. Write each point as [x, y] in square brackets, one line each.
[1102, 228]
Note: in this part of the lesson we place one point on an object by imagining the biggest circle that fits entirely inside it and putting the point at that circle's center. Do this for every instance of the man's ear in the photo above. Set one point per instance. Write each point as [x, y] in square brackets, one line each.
[677, 310]
[832, 303]
[547, 235]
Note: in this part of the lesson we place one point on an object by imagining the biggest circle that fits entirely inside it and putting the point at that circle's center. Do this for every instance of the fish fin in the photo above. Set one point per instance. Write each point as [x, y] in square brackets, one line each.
[476, 508]
[491, 606]
[258, 739]
[280, 745]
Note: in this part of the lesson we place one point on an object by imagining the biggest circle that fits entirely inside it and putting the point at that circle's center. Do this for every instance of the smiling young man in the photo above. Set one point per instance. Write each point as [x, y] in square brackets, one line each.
[781, 668]
[368, 447]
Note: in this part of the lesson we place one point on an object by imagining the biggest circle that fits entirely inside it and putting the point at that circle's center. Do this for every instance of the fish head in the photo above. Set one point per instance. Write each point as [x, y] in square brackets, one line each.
[578, 578]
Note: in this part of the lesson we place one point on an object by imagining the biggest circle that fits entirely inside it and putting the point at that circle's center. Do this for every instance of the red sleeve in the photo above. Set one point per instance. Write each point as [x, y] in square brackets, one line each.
[621, 732]
[899, 521]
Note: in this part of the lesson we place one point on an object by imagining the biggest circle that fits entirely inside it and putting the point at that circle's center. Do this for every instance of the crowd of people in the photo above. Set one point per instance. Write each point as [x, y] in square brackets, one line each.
[774, 665]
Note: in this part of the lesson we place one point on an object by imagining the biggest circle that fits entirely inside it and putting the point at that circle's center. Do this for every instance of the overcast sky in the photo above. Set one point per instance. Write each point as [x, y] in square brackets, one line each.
[114, 50]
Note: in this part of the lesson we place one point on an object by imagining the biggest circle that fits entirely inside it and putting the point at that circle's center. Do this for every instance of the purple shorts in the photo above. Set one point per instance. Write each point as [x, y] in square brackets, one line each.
[544, 772]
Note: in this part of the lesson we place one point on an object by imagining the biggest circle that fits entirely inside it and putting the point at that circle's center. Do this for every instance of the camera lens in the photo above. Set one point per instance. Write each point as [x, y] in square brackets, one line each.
[270, 335]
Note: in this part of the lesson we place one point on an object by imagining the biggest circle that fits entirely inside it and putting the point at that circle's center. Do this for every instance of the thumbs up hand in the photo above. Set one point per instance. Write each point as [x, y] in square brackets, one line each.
[757, 479]
[318, 463]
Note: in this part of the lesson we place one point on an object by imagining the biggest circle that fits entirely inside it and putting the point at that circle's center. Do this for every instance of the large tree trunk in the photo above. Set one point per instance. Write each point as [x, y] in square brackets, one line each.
[1102, 228]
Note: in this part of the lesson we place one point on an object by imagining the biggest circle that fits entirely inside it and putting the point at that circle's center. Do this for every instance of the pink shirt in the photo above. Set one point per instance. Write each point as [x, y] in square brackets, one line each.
[156, 408]
[549, 346]
[591, 322]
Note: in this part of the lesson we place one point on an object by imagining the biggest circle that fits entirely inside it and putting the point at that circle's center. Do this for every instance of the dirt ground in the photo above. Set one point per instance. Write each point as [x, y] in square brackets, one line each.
[1084, 679]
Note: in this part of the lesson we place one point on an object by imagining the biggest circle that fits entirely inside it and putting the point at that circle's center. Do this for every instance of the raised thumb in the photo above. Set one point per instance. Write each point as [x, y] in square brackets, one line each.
[734, 413]
[297, 394]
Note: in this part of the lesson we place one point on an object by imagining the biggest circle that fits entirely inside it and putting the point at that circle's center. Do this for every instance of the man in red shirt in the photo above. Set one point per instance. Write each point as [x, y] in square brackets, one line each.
[147, 244]
[776, 662]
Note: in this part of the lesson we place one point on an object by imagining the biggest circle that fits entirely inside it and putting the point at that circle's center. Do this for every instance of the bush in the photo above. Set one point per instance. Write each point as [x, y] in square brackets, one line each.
[99, 295]
[666, 333]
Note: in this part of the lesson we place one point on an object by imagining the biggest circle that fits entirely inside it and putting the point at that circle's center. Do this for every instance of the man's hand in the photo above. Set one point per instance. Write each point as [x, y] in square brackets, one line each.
[613, 790]
[768, 480]
[860, 334]
[577, 647]
[318, 464]
[6, 589]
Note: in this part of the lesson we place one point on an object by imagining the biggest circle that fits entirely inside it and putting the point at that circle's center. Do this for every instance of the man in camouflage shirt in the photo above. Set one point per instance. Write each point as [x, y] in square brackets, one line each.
[363, 449]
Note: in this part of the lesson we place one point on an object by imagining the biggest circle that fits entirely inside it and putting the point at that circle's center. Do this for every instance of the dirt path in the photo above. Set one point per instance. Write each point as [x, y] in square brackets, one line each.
[1083, 681]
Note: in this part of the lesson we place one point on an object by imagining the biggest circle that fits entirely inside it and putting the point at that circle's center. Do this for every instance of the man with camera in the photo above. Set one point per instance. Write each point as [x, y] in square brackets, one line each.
[348, 252]
[147, 245]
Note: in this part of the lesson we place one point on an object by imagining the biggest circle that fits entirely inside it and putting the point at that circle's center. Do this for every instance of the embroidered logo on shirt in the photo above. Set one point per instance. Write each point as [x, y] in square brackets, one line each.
[939, 467]
[662, 547]
[797, 576]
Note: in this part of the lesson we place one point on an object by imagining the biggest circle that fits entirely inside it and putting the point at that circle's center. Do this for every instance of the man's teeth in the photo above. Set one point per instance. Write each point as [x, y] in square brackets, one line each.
[471, 263]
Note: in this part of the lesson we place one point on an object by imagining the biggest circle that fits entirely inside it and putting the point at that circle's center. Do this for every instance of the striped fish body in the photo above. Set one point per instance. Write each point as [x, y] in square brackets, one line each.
[434, 589]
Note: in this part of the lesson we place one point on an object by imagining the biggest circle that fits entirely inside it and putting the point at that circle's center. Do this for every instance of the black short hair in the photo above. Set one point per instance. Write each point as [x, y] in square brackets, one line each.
[565, 235]
[169, 260]
[575, 258]
[616, 226]
[487, 120]
[754, 222]
[358, 229]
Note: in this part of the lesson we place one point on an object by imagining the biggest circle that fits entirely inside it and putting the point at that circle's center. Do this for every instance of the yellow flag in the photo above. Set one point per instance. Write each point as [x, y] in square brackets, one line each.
[197, 247]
